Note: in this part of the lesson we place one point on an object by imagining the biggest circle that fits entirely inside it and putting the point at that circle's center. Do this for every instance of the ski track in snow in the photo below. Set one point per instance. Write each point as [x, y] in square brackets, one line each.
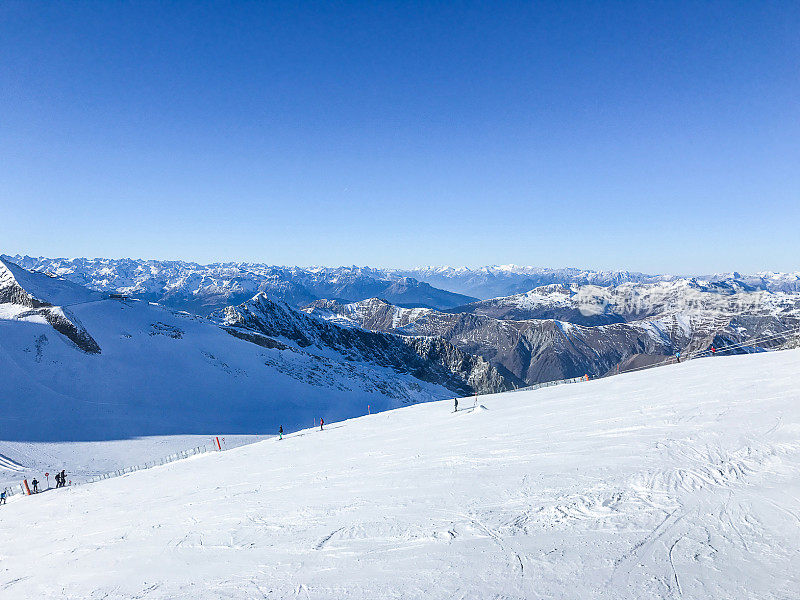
[681, 482]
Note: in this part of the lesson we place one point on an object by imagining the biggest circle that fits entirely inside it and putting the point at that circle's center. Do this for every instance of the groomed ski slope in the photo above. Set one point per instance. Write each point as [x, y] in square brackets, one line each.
[677, 482]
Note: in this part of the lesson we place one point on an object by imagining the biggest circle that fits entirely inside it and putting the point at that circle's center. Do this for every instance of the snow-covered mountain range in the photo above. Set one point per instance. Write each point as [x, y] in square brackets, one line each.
[202, 289]
[580, 322]
[505, 280]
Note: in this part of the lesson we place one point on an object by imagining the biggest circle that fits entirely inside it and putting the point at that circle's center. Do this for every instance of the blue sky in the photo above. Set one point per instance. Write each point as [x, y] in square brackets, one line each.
[653, 136]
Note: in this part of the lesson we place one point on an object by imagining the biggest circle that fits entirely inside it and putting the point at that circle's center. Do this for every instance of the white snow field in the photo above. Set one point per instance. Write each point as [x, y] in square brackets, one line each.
[677, 482]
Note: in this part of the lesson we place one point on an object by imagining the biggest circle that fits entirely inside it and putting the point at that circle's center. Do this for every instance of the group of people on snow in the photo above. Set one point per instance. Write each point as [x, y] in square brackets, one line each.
[61, 481]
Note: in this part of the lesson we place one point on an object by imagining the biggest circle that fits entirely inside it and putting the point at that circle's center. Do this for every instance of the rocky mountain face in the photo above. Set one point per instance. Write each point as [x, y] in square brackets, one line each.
[534, 350]
[202, 289]
[431, 359]
[558, 331]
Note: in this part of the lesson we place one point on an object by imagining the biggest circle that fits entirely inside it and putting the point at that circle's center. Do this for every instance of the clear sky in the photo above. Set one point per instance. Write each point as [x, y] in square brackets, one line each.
[651, 136]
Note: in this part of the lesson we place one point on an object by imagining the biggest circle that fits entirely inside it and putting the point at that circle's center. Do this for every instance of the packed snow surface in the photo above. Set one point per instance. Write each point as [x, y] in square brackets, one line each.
[677, 482]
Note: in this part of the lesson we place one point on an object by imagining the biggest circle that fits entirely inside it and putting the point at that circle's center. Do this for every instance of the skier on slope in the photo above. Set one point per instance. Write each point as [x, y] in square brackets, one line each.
[35, 483]
[678, 356]
[280, 432]
[321, 423]
[456, 403]
[3, 497]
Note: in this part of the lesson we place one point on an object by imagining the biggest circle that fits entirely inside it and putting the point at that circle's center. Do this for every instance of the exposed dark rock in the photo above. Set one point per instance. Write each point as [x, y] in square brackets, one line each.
[255, 338]
[431, 360]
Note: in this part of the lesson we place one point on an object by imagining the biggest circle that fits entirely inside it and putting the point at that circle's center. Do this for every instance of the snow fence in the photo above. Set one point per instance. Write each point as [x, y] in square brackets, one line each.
[19, 488]
[549, 384]
[153, 463]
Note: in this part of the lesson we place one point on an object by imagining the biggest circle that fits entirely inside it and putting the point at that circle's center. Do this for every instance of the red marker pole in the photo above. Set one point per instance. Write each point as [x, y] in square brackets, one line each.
[27, 489]
[218, 445]
[369, 412]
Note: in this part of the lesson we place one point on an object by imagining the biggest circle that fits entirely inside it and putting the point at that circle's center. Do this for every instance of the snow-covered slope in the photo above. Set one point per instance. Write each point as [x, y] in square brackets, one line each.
[679, 482]
[159, 372]
[115, 368]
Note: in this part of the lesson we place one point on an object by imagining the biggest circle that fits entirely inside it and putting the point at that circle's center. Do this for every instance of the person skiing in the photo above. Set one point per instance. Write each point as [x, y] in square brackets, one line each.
[3, 497]
[321, 423]
[35, 483]
[713, 351]
[280, 432]
[678, 356]
[456, 403]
